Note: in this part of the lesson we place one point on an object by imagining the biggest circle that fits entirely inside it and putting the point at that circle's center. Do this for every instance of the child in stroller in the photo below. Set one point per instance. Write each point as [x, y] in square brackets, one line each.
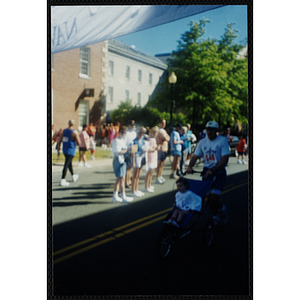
[190, 214]
[186, 202]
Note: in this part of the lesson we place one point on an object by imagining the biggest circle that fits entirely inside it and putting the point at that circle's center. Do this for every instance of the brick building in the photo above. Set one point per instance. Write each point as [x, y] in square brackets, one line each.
[89, 82]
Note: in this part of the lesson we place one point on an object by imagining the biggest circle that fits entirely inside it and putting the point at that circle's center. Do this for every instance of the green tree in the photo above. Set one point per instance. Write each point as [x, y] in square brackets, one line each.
[212, 79]
[143, 116]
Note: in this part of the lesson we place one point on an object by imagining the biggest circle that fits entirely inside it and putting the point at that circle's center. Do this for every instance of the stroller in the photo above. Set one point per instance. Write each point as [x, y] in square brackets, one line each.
[200, 222]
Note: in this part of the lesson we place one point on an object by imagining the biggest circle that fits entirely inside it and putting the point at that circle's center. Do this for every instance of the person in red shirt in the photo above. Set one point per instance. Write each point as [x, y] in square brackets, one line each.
[241, 149]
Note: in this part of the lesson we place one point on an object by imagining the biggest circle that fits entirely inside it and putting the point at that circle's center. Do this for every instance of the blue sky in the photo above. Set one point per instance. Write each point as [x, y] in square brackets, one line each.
[164, 38]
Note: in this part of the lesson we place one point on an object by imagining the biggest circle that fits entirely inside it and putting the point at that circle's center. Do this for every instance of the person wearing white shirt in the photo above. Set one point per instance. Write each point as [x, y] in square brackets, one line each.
[186, 201]
[119, 149]
[214, 149]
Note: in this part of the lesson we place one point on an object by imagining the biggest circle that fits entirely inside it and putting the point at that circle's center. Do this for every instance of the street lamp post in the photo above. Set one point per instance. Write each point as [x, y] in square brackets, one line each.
[172, 81]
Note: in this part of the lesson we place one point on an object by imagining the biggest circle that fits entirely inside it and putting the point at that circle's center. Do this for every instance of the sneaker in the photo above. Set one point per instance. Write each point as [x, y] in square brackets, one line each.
[174, 176]
[93, 157]
[162, 179]
[159, 181]
[87, 165]
[80, 164]
[64, 182]
[135, 194]
[116, 198]
[244, 162]
[140, 193]
[75, 177]
[239, 161]
[149, 190]
[151, 187]
[173, 222]
[127, 199]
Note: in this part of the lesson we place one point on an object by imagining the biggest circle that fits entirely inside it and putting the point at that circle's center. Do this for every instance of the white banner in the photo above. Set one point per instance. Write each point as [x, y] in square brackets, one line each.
[77, 26]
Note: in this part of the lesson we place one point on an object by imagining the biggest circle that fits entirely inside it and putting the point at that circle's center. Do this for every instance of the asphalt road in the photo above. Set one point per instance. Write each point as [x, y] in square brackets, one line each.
[105, 248]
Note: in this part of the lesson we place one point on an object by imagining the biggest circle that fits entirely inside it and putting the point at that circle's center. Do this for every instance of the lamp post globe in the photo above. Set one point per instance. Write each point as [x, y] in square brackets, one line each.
[172, 81]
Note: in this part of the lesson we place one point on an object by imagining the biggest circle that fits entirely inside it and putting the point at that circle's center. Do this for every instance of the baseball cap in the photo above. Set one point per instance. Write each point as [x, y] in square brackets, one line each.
[212, 124]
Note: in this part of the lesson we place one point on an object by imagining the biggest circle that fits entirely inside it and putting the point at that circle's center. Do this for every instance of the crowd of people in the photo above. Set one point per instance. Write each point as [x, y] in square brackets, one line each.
[136, 149]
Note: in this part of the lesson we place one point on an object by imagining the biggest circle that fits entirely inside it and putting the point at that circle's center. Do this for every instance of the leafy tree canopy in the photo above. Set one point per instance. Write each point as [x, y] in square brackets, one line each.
[212, 78]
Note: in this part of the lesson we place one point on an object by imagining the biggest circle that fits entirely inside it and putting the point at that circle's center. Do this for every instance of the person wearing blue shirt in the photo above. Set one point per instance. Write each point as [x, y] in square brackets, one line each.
[189, 136]
[183, 137]
[69, 138]
[176, 147]
[138, 156]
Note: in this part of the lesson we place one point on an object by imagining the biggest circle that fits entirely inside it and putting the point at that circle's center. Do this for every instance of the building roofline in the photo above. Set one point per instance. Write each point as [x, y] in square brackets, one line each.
[135, 54]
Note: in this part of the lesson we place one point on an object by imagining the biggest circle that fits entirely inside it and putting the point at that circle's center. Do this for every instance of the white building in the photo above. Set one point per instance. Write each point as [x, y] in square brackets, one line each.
[129, 74]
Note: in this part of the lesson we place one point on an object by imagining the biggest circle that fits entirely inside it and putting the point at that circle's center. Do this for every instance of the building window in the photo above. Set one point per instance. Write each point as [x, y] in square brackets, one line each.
[150, 78]
[139, 99]
[83, 113]
[126, 95]
[110, 94]
[85, 61]
[111, 68]
[127, 74]
[139, 75]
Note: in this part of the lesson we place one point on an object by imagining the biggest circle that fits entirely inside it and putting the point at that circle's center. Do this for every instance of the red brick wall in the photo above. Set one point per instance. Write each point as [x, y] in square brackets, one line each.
[67, 86]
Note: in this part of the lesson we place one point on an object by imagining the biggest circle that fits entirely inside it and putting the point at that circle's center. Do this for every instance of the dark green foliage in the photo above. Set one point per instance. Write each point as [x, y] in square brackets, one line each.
[212, 83]
[212, 78]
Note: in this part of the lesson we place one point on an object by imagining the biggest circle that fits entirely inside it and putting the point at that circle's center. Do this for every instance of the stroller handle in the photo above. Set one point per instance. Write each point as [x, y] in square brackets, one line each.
[202, 174]
[197, 172]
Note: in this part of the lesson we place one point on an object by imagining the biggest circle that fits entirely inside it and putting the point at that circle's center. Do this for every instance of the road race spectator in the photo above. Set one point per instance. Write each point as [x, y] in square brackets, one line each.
[215, 151]
[84, 146]
[241, 149]
[176, 143]
[228, 136]
[92, 134]
[189, 136]
[69, 137]
[183, 137]
[162, 140]
[91, 130]
[119, 149]
[138, 157]
[152, 159]
[129, 137]
[111, 134]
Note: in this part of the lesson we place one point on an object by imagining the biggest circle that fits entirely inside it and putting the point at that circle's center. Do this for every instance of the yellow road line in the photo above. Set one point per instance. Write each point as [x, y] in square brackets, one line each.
[108, 233]
[117, 235]
[83, 250]
[106, 240]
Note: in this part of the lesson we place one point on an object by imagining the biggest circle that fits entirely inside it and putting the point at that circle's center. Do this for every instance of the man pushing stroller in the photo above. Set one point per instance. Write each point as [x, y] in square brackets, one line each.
[215, 152]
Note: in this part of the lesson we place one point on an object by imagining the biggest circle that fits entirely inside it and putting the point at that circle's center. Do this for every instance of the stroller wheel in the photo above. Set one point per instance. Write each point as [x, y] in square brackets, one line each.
[164, 244]
[208, 233]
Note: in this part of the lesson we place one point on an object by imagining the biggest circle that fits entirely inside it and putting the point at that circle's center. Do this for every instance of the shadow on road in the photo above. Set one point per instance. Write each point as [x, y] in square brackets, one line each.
[112, 258]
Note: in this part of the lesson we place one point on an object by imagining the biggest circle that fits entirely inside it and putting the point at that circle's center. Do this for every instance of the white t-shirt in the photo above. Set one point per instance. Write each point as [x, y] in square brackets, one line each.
[129, 137]
[117, 145]
[188, 200]
[212, 151]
